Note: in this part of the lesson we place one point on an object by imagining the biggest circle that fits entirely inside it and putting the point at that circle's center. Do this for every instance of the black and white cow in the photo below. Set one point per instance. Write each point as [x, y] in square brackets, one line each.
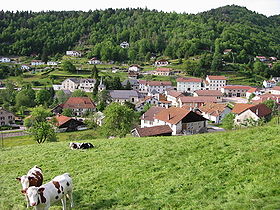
[34, 177]
[75, 145]
[57, 189]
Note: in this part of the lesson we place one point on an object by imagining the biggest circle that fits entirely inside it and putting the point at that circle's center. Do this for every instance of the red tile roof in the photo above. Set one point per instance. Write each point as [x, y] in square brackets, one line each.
[212, 77]
[209, 93]
[190, 79]
[237, 87]
[164, 69]
[203, 99]
[261, 110]
[150, 113]
[154, 131]
[61, 119]
[213, 108]
[276, 88]
[159, 83]
[239, 108]
[79, 103]
[172, 115]
[252, 90]
[174, 93]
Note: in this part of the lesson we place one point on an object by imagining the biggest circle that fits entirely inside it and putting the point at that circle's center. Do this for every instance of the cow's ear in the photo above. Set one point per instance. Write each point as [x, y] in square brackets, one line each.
[18, 178]
[30, 178]
[40, 190]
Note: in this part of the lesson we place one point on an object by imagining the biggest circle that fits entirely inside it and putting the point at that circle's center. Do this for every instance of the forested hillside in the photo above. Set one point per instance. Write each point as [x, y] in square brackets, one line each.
[99, 33]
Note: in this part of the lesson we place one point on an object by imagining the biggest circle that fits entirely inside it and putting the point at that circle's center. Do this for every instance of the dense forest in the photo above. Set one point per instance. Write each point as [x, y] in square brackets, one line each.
[149, 32]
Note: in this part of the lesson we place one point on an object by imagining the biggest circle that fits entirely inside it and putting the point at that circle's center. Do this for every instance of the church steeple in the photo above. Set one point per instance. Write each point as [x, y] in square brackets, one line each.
[101, 86]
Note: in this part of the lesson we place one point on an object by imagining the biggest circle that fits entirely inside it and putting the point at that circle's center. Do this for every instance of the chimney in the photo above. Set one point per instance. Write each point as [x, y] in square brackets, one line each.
[168, 117]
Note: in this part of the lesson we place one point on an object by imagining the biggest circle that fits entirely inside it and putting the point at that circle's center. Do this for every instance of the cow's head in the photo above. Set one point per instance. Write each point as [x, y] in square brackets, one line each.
[25, 182]
[33, 194]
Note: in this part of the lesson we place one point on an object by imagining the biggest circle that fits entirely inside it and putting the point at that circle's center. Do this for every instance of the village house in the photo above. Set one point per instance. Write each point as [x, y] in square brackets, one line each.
[189, 84]
[124, 45]
[65, 124]
[261, 58]
[74, 53]
[25, 67]
[161, 62]
[269, 83]
[267, 96]
[122, 96]
[173, 96]
[181, 121]
[235, 90]
[78, 105]
[94, 60]
[209, 93]
[275, 90]
[73, 84]
[215, 112]
[37, 63]
[254, 91]
[147, 100]
[147, 119]
[5, 60]
[163, 71]
[273, 59]
[227, 51]
[134, 67]
[247, 112]
[52, 63]
[160, 130]
[133, 83]
[6, 117]
[153, 87]
[133, 75]
[195, 102]
[214, 82]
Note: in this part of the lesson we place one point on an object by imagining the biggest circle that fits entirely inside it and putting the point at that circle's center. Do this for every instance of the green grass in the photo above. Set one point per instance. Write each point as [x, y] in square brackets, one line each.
[232, 170]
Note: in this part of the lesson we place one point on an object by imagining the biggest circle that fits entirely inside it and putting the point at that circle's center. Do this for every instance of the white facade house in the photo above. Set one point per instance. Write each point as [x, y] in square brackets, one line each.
[37, 63]
[235, 90]
[52, 63]
[124, 45]
[269, 83]
[154, 87]
[215, 112]
[94, 61]
[148, 118]
[6, 117]
[189, 84]
[74, 53]
[173, 96]
[73, 84]
[5, 60]
[134, 68]
[275, 90]
[214, 82]
[161, 62]
[122, 96]
[25, 67]
[180, 120]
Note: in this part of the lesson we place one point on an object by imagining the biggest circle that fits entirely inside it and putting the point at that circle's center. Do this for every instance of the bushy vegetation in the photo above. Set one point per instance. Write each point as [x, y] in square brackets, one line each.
[233, 170]
[100, 33]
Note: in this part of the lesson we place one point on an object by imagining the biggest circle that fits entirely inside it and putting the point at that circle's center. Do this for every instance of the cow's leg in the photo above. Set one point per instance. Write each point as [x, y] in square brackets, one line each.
[27, 201]
[63, 201]
[70, 196]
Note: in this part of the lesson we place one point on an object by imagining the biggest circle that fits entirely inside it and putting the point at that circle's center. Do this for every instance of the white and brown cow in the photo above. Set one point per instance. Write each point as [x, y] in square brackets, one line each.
[34, 177]
[57, 189]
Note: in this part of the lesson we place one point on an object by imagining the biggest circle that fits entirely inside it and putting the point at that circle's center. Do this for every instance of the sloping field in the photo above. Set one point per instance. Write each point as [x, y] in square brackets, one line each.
[233, 170]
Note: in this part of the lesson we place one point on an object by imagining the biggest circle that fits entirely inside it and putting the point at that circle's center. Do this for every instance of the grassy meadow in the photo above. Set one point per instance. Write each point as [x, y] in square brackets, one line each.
[232, 170]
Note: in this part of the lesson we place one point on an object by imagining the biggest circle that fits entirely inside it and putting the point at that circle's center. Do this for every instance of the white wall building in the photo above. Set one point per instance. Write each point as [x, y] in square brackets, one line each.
[215, 82]
[73, 53]
[37, 63]
[73, 84]
[189, 84]
[5, 60]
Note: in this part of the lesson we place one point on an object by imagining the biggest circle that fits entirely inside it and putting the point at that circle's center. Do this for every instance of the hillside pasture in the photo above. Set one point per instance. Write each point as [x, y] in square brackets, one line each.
[232, 170]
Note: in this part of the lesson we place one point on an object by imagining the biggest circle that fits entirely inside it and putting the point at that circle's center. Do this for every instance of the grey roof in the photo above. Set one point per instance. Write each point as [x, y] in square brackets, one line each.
[123, 94]
[131, 81]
